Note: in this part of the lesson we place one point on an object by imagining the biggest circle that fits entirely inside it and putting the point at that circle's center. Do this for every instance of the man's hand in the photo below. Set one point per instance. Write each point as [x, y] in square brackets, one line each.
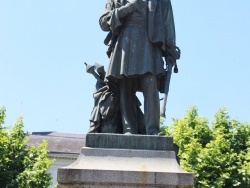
[171, 60]
[131, 6]
[127, 9]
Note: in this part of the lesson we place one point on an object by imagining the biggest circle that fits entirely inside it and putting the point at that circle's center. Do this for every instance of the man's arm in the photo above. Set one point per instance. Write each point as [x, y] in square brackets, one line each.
[114, 13]
[104, 19]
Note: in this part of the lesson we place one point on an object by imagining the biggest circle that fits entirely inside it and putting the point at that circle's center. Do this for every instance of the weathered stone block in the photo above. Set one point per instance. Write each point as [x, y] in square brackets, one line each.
[109, 166]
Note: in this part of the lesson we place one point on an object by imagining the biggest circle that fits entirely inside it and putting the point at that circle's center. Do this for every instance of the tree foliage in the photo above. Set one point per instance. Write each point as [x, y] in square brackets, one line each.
[20, 166]
[217, 154]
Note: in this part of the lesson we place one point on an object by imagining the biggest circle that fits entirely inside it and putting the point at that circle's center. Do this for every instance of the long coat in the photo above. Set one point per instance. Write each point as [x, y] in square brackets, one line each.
[150, 43]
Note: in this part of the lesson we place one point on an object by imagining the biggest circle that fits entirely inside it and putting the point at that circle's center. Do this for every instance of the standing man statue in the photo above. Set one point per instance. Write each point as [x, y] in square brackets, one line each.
[141, 33]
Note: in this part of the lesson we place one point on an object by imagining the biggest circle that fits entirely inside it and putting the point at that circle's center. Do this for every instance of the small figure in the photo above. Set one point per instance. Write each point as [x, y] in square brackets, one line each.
[105, 116]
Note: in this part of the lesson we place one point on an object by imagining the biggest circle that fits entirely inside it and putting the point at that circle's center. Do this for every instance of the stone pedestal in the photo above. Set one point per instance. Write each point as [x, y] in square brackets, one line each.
[127, 161]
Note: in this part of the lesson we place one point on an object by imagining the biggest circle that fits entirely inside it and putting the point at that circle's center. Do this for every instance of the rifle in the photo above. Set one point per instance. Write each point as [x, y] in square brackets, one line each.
[170, 60]
[168, 73]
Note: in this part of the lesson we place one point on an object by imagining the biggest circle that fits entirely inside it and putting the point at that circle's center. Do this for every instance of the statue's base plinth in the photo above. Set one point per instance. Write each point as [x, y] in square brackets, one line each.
[127, 168]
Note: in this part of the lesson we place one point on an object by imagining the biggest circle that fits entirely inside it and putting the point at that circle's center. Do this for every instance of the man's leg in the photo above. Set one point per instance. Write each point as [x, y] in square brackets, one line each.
[128, 105]
[151, 104]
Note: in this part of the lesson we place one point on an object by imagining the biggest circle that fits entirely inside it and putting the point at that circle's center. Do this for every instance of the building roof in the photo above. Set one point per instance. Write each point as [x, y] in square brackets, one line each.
[65, 143]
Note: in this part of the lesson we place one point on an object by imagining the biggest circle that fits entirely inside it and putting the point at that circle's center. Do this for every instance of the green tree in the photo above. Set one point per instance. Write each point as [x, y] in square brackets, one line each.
[217, 154]
[20, 166]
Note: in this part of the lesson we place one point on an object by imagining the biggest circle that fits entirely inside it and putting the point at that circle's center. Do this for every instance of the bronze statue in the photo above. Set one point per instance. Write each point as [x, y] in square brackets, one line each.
[141, 33]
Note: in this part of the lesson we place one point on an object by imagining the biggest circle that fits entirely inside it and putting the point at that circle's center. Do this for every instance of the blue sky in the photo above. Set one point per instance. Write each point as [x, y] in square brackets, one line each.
[44, 44]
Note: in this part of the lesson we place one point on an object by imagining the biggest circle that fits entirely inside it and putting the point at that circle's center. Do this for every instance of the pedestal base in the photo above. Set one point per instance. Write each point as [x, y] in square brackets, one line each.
[127, 168]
